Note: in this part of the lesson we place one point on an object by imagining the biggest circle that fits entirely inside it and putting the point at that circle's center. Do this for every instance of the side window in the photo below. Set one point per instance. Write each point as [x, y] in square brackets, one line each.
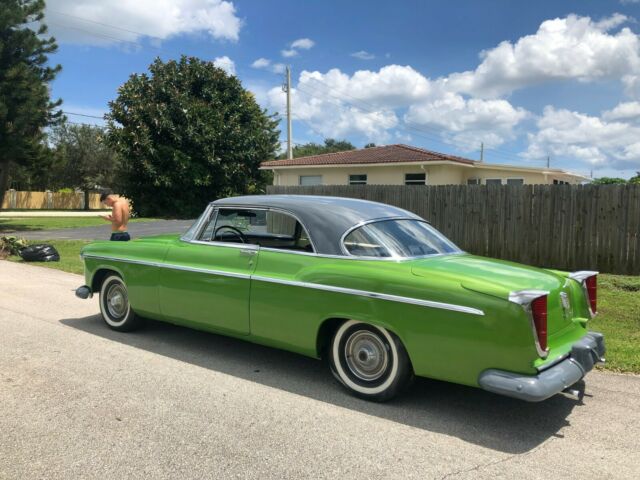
[207, 230]
[267, 228]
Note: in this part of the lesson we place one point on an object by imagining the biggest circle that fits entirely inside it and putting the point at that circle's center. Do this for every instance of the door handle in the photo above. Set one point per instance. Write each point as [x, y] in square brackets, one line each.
[248, 252]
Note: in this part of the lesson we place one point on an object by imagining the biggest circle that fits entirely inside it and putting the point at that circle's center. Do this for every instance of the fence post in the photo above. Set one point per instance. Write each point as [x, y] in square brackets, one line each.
[13, 198]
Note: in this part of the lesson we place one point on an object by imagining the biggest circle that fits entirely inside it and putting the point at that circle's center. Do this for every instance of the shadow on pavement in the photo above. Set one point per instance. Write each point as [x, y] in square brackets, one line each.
[470, 414]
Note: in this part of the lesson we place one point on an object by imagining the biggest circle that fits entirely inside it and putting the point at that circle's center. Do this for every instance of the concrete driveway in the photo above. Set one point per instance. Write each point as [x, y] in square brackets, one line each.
[102, 232]
[78, 400]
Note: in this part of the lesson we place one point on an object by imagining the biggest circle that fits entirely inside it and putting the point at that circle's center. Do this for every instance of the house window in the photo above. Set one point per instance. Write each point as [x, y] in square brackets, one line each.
[473, 181]
[415, 178]
[360, 179]
[515, 181]
[560, 182]
[493, 181]
[306, 180]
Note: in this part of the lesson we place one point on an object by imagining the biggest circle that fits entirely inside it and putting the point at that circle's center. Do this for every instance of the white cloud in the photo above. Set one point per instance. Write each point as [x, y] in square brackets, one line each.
[574, 47]
[598, 141]
[466, 123]
[104, 22]
[363, 55]
[303, 43]
[299, 44]
[330, 117]
[226, 64]
[623, 111]
[278, 67]
[337, 104]
[261, 63]
[265, 64]
[391, 87]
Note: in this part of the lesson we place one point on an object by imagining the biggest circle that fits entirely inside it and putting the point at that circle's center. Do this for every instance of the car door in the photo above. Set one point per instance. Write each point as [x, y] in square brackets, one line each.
[206, 280]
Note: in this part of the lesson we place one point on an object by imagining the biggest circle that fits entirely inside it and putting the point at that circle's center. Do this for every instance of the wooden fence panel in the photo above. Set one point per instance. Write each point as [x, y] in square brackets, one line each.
[24, 200]
[569, 227]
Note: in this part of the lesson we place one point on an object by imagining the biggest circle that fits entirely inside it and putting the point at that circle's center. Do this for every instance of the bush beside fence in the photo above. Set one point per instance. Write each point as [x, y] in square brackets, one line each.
[568, 227]
[48, 200]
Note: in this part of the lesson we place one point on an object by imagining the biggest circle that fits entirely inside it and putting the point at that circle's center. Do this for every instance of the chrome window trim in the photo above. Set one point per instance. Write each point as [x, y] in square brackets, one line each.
[386, 219]
[205, 215]
[580, 277]
[360, 258]
[524, 299]
[317, 286]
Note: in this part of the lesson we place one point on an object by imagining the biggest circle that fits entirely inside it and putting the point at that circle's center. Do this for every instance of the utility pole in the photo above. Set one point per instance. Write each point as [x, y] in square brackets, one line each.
[482, 151]
[286, 87]
[548, 161]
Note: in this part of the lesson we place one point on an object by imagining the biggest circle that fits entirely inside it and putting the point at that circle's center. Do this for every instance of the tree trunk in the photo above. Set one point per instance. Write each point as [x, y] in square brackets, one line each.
[4, 180]
[86, 198]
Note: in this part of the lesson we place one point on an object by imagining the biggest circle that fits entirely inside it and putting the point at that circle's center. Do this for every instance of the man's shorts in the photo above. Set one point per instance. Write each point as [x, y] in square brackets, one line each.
[120, 237]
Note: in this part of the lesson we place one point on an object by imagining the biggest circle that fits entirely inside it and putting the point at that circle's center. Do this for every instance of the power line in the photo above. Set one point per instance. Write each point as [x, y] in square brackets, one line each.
[104, 24]
[81, 114]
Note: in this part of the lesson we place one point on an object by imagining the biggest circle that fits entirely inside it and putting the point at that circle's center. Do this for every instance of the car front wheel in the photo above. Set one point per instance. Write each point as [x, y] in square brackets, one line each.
[370, 361]
[114, 305]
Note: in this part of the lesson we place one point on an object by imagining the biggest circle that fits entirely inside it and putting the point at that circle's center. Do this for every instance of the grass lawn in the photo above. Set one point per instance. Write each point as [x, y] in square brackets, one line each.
[9, 225]
[618, 305]
[69, 255]
[619, 319]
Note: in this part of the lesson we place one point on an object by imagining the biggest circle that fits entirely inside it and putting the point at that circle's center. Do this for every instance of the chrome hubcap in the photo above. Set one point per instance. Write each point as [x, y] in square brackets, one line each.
[117, 301]
[366, 355]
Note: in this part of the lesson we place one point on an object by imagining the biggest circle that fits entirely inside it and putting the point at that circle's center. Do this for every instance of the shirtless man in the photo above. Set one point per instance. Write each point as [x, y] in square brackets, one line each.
[119, 215]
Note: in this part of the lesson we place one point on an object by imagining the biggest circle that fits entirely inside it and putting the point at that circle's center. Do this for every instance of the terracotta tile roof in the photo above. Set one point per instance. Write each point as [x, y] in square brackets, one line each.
[387, 154]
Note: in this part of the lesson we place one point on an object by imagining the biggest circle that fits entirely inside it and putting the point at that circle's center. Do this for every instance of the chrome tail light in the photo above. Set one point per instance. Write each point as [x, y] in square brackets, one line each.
[534, 303]
[589, 282]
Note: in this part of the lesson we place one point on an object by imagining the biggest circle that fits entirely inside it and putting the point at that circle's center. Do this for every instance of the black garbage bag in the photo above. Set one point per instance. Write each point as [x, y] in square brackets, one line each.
[42, 252]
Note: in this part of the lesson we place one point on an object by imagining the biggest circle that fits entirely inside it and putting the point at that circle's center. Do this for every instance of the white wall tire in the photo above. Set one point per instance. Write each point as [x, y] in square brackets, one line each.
[369, 361]
[114, 305]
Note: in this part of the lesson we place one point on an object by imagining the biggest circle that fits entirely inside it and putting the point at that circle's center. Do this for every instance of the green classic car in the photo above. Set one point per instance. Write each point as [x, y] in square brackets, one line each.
[374, 289]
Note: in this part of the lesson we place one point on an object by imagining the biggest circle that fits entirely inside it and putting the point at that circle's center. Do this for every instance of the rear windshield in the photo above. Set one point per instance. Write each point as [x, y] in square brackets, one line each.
[397, 239]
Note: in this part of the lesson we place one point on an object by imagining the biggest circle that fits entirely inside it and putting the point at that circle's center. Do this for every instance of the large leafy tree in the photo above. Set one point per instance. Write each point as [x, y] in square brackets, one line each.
[330, 146]
[83, 159]
[25, 105]
[188, 133]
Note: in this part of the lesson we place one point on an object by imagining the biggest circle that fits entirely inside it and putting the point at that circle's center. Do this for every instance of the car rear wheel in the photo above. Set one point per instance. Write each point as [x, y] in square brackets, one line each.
[115, 307]
[369, 361]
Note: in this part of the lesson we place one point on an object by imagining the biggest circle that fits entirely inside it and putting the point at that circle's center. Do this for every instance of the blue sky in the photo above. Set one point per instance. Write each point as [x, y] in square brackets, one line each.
[529, 79]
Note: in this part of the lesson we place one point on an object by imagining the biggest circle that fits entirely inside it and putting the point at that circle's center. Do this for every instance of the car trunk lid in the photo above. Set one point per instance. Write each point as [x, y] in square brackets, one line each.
[499, 278]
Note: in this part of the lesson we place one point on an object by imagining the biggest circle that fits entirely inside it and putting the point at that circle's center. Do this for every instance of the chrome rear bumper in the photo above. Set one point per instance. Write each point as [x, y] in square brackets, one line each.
[585, 354]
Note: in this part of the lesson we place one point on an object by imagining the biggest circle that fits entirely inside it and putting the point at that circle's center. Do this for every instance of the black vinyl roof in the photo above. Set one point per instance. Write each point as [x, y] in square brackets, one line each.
[325, 218]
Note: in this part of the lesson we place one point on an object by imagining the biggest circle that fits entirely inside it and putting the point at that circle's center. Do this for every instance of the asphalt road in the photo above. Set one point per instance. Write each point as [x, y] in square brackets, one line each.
[78, 400]
[102, 232]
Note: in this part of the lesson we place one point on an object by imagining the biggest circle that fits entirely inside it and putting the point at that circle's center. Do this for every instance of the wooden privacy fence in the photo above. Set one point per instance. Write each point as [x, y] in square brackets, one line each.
[568, 227]
[14, 199]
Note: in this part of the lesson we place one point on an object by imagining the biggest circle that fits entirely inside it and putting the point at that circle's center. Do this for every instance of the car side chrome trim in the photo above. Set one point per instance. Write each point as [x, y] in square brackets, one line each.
[172, 266]
[317, 286]
[365, 293]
